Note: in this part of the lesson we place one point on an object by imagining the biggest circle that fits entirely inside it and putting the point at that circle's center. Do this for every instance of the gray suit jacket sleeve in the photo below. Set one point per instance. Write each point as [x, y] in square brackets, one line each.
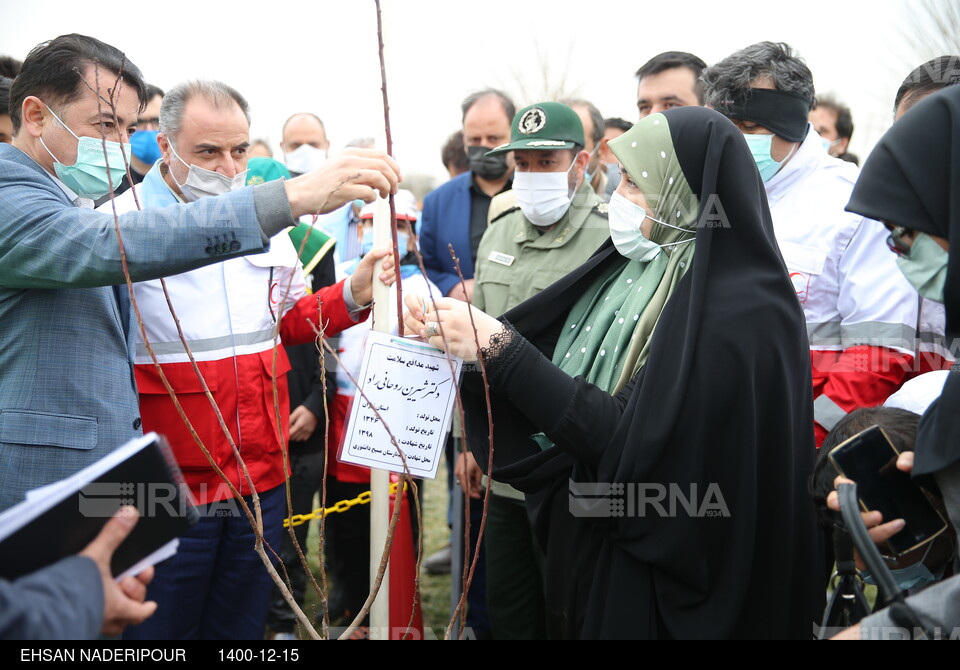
[60, 602]
[45, 242]
[937, 606]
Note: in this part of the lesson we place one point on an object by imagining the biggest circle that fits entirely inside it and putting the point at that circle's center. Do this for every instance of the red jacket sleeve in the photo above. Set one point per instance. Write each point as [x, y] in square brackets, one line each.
[857, 377]
[327, 306]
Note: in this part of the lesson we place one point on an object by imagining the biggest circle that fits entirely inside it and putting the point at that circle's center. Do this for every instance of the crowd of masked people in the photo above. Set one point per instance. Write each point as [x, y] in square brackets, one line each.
[679, 318]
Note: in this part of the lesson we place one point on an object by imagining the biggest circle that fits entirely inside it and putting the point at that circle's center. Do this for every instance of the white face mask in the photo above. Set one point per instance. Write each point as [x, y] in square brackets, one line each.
[543, 197]
[201, 182]
[305, 158]
[625, 218]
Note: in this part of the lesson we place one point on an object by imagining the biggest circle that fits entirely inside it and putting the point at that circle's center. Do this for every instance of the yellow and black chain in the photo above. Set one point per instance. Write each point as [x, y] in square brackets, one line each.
[341, 506]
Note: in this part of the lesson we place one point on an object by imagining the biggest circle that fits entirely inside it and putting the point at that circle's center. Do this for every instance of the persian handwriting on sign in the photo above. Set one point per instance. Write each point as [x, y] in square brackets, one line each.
[391, 453]
[413, 444]
[412, 392]
[413, 363]
[406, 407]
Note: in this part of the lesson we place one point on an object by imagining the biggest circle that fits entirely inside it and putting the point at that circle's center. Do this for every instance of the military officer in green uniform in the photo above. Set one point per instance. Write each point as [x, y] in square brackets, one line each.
[556, 224]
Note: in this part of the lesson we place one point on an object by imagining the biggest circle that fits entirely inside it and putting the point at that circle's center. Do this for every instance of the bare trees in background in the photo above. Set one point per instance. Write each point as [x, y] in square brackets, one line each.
[931, 29]
[548, 77]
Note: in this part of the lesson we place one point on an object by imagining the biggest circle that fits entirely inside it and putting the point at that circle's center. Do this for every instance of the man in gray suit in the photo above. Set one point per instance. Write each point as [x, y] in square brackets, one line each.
[67, 393]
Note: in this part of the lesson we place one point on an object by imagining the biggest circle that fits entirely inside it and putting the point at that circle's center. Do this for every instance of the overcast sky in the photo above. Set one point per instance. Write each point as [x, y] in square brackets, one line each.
[321, 55]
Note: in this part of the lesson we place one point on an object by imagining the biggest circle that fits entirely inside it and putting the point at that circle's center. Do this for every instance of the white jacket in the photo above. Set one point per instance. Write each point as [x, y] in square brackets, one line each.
[847, 280]
[219, 323]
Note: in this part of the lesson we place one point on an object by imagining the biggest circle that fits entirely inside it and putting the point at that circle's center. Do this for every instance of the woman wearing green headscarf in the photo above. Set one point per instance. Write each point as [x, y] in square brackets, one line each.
[655, 405]
[653, 215]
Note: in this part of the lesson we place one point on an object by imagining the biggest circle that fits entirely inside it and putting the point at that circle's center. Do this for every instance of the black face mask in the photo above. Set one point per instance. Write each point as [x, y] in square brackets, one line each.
[486, 167]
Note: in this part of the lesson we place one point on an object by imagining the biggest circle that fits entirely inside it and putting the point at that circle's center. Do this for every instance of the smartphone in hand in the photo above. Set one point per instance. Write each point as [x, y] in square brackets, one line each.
[870, 459]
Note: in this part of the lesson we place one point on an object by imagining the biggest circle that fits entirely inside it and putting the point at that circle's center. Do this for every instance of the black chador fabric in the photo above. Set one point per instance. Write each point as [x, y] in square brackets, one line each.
[912, 179]
[724, 404]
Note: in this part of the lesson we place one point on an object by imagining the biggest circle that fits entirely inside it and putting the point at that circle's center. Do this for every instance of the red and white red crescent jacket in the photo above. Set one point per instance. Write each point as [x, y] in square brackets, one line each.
[861, 312]
[228, 312]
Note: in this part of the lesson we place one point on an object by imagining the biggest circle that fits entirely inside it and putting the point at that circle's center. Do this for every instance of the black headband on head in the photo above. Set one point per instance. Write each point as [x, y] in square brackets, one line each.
[783, 113]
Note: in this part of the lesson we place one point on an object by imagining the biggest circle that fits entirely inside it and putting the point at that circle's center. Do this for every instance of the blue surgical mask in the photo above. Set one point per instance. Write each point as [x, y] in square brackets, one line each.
[829, 144]
[925, 267]
[145, 147]
[87, 177]
[366, 244]
[911, 578]
[587, 174]
[761, 147]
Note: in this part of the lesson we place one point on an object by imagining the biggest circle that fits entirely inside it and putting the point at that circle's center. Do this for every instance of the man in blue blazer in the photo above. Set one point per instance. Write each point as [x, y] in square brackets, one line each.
[456, 213]
[67, 393]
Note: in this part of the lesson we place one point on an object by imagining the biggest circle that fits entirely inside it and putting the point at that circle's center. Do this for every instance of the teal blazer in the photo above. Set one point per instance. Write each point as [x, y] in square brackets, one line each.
[67, 391]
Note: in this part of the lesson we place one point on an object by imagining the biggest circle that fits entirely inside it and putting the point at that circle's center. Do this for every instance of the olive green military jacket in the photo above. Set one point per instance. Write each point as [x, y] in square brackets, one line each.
[515, 261]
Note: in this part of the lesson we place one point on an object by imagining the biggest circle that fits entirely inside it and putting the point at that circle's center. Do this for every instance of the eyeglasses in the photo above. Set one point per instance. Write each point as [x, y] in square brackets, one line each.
[895, 241]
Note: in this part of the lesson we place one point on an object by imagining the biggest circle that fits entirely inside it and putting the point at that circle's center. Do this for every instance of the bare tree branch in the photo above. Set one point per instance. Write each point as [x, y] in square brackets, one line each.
[395, 517]
[932, 28]
[389, 136]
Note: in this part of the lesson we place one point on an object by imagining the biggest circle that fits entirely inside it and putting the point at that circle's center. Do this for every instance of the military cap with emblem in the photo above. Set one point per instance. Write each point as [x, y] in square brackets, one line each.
[547, 126]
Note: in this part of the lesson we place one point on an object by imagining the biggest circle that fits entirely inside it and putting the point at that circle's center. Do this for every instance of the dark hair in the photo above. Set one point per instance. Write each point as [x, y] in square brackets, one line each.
[9, 67]
[734, 75]
[669, 60]
[941, 72]
[453, 153]
[844, 116]
[5, 85]
[595, 116]
[153, 92]
[53, 71]
[508, 107]
[618, 123]
[899, 424]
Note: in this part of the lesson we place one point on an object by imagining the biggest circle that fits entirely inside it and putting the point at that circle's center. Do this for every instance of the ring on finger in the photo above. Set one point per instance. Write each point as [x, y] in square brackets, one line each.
[433, 329]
